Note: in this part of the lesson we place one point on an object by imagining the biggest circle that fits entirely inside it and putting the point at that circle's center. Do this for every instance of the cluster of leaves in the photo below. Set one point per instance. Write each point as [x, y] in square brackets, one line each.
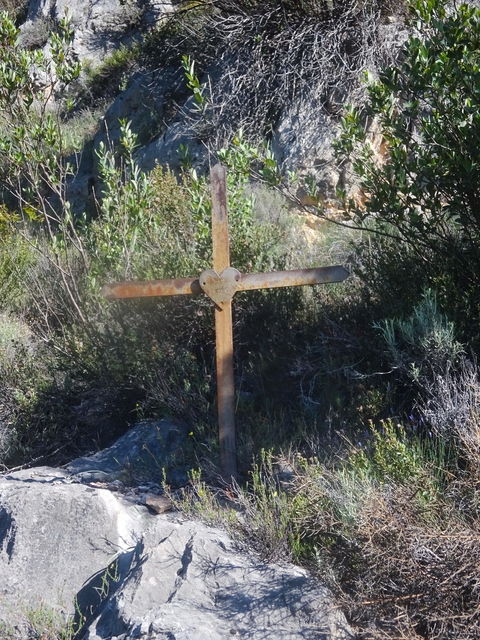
[424, 192]
[29, 80]
[112, 238]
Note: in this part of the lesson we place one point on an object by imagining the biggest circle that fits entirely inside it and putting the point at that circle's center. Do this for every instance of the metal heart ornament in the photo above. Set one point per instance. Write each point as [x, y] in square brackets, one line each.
[220, 288]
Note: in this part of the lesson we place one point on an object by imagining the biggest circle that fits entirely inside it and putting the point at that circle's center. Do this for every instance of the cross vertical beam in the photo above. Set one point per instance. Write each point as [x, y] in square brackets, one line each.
[223, 328]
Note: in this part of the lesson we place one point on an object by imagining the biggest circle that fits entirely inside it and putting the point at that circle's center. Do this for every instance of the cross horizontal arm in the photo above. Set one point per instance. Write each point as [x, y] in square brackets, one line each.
[294, 278]
[246, 282]
[152, 288]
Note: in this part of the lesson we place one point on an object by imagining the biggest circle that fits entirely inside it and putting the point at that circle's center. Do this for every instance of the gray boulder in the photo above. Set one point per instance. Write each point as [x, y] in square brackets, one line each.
[145, 451]
[123, 572]
[192, 584]
[55, 537]
[303, 142]
[100, 25]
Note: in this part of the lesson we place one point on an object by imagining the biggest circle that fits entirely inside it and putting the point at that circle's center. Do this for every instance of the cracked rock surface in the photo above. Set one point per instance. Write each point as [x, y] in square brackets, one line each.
[127, 571]
[55, 536]
[100, 25]
[191, 583]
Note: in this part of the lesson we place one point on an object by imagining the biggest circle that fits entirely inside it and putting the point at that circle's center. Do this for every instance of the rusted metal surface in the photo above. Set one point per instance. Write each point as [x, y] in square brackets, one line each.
[220, 240]
[152, 288]
[220, 284]
[220, 288]
[297, 278]
[225, 391]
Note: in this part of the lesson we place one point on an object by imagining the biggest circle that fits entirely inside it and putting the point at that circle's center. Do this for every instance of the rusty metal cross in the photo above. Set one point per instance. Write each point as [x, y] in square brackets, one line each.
[220, 284]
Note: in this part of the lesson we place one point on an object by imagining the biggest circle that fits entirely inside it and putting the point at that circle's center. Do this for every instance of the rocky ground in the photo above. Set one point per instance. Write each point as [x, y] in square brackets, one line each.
[117, 557]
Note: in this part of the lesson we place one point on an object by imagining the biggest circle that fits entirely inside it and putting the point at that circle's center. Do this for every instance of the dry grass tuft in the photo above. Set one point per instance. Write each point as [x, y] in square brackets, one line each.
[417, 573]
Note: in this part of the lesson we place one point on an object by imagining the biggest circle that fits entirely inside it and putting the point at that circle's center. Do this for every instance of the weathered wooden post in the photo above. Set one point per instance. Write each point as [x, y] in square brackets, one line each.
[220, 284]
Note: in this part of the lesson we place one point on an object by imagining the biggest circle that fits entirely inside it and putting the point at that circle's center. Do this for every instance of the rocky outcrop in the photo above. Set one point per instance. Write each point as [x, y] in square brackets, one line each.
[190, 583]
[159, 106]
[55, 536]
[162, 114]
[120, 562]
[100, 25]
[150, 102]
[145, 451]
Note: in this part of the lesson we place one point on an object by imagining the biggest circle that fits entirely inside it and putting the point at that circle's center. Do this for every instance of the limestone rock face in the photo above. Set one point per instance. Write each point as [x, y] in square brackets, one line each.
[100, 25]
[149, 102]
[159, 106]
[54, 537]
[193, 584]
[124, 569]
[302, 141]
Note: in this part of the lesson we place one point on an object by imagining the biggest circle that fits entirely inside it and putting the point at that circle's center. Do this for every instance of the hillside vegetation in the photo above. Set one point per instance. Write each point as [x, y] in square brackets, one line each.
[358, 404]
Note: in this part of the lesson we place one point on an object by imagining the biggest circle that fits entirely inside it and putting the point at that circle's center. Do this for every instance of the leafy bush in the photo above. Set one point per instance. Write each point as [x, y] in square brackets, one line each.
[393, 458]
[424, 192]
[33, 171]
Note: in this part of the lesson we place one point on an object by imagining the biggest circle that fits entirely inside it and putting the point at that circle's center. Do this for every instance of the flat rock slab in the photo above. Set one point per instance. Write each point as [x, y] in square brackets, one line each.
[54, 536]
[127, 573]
[191, 583]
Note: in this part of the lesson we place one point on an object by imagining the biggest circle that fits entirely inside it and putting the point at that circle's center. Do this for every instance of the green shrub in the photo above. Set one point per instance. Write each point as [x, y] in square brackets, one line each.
[423, 345]
[393, 458]
[17, 257]
[146, 227]
[426, 189]
[30, 424]
[112, 239]
[381, 528]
